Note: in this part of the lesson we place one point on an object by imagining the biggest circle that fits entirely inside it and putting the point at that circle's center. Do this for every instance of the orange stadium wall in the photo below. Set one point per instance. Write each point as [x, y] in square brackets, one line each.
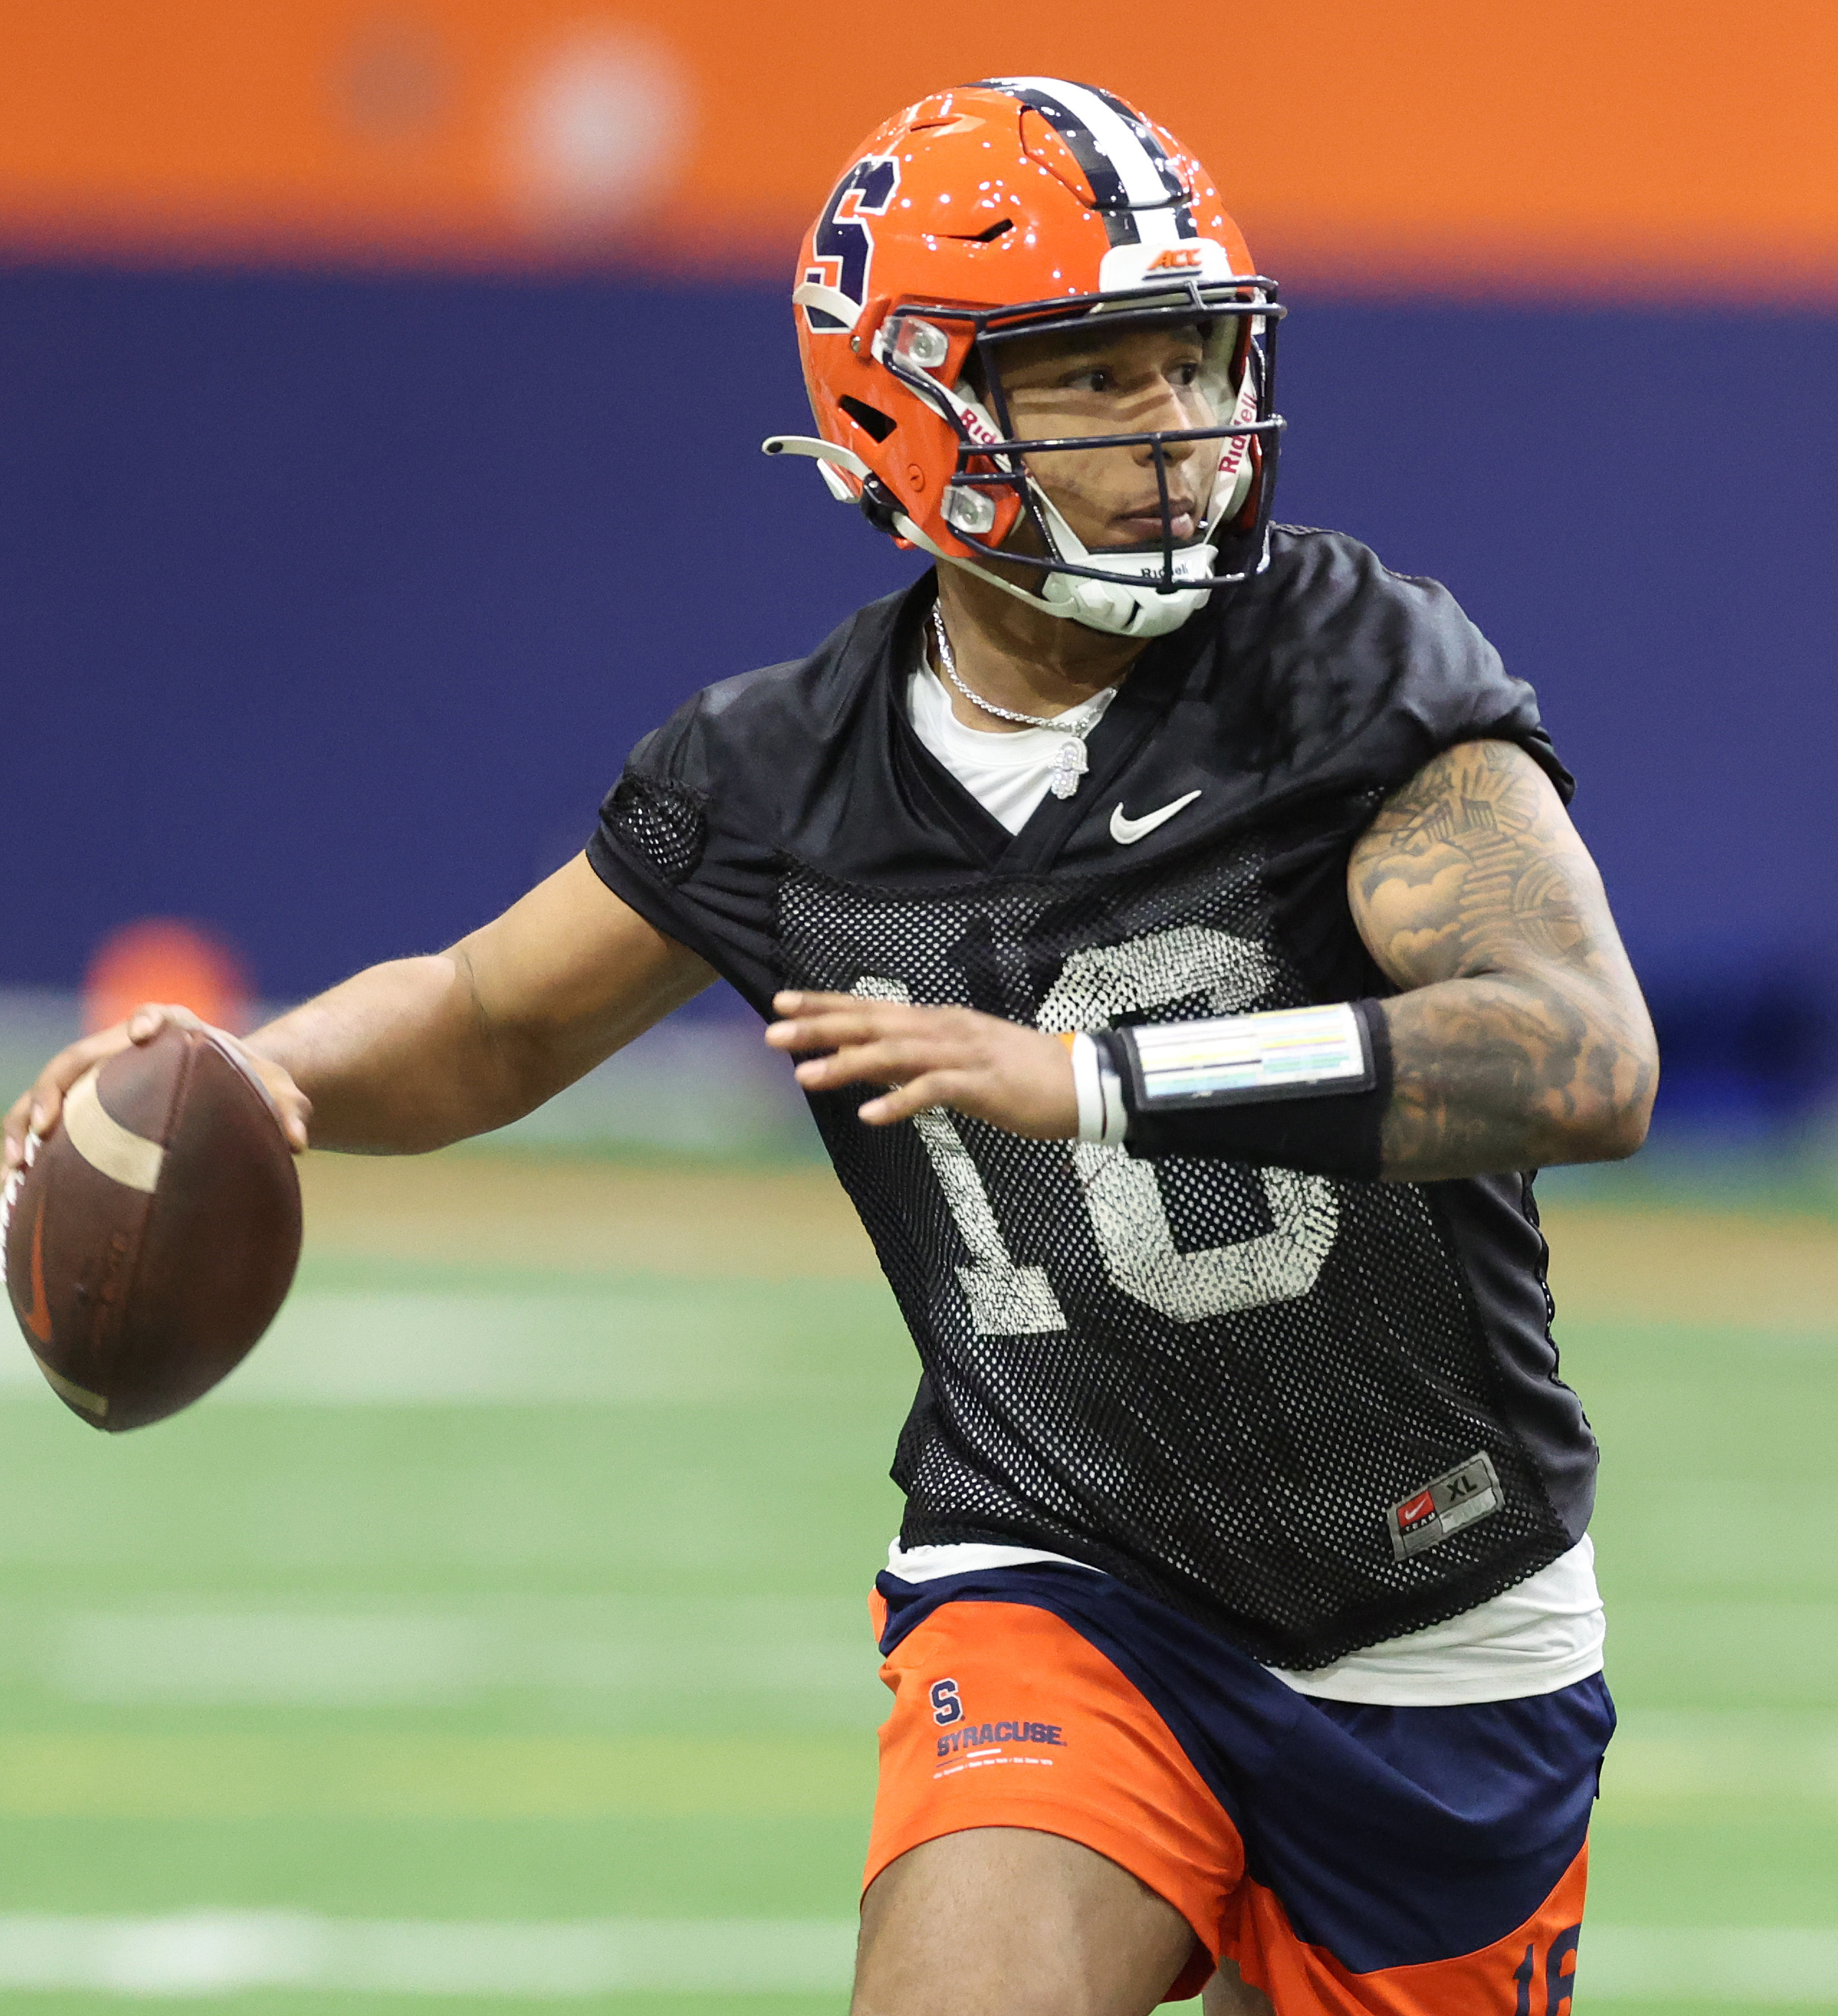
[1602, 149]
[380, 388]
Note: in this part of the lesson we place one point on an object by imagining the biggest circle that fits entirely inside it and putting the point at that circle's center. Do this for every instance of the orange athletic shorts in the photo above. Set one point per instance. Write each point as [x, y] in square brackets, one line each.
[1352, 1860]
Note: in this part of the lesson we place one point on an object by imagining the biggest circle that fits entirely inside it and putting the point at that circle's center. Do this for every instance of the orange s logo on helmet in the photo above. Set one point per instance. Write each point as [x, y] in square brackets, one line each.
[842, 245]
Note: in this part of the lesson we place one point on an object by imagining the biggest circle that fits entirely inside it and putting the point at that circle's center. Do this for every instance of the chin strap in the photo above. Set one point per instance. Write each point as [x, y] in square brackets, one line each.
[1120, 608]
[829, 458]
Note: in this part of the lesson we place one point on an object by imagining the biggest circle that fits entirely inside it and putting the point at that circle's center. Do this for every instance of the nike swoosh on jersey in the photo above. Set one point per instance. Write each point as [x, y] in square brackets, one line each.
[1127, 831]
[38, 1318]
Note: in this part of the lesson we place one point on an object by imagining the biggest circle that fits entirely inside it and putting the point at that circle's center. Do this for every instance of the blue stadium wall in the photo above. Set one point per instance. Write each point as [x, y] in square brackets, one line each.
[328, 607]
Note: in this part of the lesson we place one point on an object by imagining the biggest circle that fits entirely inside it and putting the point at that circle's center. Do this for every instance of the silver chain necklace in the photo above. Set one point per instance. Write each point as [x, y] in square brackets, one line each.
[1070, 760]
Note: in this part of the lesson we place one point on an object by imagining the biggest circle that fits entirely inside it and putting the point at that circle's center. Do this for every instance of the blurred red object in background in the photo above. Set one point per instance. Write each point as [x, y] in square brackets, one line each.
[161, 958]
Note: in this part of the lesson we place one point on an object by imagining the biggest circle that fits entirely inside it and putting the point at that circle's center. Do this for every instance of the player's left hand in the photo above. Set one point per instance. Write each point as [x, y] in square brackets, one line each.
[1012, 1076]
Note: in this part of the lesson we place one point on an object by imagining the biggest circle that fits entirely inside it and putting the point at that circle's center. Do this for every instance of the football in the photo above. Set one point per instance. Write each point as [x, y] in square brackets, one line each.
[155, 1231]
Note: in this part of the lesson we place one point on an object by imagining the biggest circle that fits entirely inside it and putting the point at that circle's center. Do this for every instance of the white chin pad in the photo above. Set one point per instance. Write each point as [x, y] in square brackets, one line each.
[1119, 608]
[1127, 606]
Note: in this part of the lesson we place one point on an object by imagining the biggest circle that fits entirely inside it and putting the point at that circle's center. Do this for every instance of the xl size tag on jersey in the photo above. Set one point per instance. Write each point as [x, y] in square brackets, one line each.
[1238, 1059]
[1446, 1504]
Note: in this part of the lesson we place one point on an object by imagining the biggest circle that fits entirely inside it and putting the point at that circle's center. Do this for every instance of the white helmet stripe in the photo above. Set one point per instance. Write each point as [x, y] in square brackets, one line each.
[1160, 226]
[1144, 180]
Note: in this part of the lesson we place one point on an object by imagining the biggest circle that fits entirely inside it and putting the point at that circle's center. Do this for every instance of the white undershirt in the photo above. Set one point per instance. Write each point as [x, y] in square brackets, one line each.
[1006, 772]
[1544, 1634]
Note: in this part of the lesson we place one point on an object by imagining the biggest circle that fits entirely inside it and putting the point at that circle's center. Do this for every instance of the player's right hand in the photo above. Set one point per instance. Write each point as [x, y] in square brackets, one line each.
[36, 1112]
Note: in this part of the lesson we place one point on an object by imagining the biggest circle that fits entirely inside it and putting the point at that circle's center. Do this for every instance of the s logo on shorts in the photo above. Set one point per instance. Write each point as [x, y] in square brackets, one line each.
[946, 1707]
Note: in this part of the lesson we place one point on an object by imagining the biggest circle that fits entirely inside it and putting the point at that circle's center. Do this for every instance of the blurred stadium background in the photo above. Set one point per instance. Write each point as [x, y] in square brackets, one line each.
[380, 386]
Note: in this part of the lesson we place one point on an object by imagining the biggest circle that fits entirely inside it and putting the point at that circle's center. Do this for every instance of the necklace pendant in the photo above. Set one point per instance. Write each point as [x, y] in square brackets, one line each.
[1069, 765]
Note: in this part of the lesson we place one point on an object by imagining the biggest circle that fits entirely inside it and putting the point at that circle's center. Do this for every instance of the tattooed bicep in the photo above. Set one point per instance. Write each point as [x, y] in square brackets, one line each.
[1474, 867]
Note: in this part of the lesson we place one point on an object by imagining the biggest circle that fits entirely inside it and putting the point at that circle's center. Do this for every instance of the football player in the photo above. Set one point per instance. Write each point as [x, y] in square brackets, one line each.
[1188, 956]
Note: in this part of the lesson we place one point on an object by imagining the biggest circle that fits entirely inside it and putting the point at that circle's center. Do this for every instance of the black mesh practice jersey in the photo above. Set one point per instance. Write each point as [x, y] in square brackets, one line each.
[1248, 1393]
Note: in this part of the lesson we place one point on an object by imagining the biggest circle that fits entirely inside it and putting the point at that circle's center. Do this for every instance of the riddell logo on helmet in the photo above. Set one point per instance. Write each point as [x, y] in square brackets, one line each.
[979, 429]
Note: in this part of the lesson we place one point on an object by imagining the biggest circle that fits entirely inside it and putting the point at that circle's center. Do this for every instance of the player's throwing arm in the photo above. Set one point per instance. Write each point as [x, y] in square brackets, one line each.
[417, 1053]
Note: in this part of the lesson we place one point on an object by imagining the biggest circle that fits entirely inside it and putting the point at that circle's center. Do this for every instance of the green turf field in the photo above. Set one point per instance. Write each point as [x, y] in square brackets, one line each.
[497, 1636]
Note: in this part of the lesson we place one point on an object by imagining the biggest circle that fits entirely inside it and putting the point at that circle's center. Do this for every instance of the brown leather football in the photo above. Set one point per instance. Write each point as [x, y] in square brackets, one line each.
[155, 1234]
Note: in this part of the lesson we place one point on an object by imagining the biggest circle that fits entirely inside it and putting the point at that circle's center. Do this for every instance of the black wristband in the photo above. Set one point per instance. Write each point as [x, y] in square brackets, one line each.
[1325, 1131]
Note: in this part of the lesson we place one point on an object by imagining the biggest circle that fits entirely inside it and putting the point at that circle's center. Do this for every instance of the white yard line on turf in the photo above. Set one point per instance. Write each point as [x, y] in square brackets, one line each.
[219, 1952]
[215, 1953]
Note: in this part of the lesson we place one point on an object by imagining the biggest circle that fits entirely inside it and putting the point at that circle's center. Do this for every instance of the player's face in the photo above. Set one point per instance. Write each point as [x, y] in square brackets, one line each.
[1140, 381]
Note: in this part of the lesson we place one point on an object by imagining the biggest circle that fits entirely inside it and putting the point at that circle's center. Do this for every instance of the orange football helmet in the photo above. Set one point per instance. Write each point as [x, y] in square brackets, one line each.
[1014, 208]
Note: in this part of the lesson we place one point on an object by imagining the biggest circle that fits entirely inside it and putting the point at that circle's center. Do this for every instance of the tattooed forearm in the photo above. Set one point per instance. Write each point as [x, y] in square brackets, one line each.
[1520, 1038]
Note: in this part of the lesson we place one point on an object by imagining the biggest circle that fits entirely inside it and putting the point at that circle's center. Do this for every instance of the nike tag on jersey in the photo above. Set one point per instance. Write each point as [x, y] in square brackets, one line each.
[1127, 831]
[1446, 1504]
[1236, 1059]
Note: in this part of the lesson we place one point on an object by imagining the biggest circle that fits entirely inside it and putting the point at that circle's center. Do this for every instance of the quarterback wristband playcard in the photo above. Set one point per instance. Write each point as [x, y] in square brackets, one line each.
[1244, 1060]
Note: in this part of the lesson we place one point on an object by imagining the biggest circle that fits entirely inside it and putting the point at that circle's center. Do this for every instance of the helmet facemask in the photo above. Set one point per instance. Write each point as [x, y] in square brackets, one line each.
[1019, 436]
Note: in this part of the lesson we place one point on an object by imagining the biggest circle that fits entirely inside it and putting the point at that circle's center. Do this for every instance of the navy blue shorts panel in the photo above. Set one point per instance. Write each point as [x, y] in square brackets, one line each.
[1391, 1837]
